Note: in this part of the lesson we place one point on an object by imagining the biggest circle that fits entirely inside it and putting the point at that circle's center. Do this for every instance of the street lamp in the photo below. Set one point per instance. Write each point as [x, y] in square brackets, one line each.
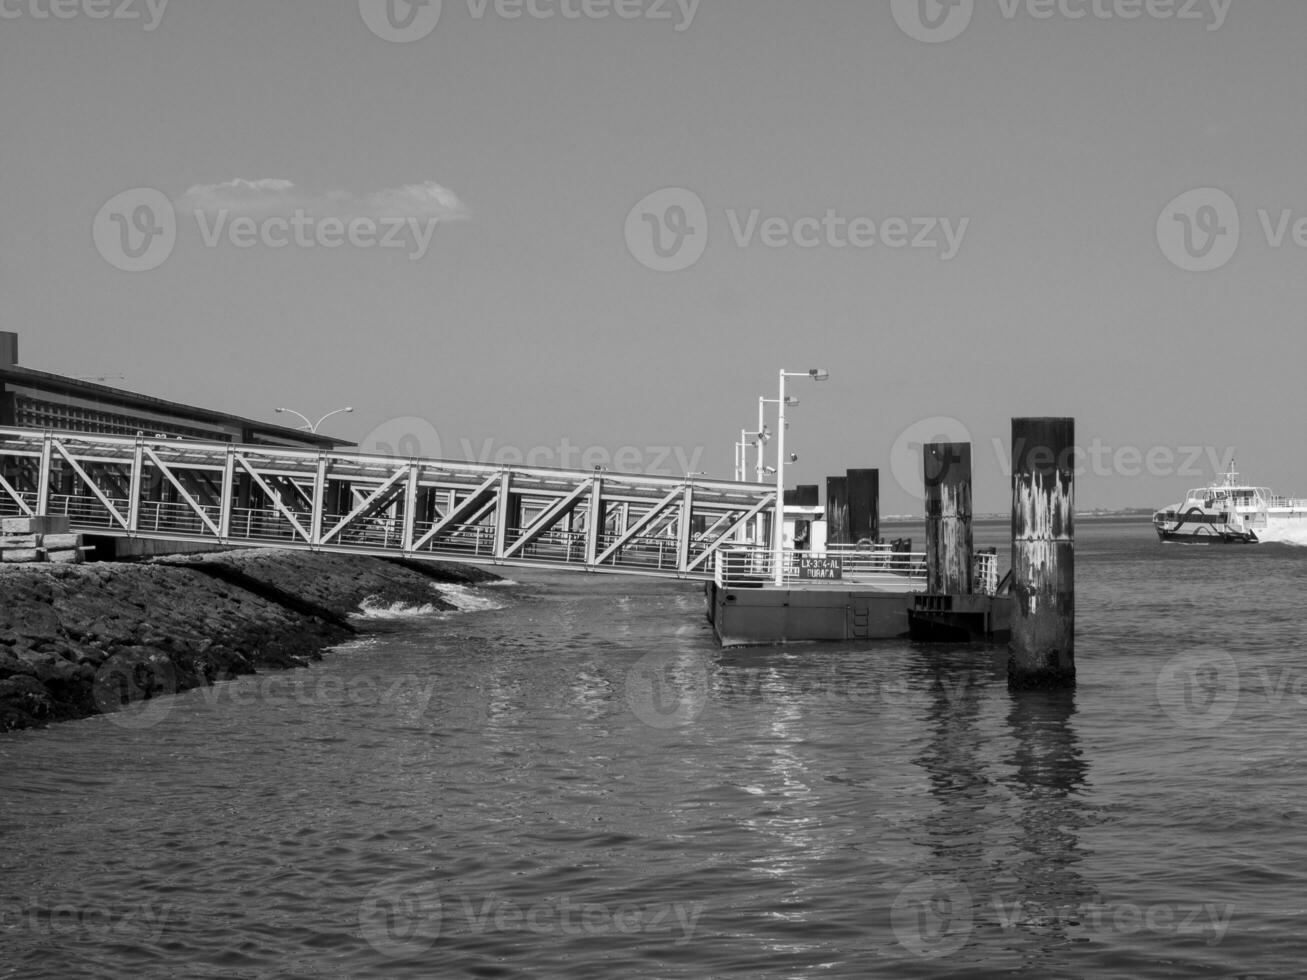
[313, 426]
[742, 450]
[778, 538]
[762, 401]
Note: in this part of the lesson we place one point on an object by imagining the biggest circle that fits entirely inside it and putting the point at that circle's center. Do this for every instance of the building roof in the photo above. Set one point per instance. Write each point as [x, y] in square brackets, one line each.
[122, 398]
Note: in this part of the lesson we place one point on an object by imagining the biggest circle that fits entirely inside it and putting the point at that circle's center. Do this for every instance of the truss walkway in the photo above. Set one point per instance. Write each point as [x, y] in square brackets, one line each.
[267, 496]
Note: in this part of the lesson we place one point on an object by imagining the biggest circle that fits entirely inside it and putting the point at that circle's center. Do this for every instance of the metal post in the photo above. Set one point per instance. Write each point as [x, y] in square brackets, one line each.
[410, 516]
[948, 517]
[778, 530]
[1042, 652]
[134, 489]
[595, 520]
[44, 474]
[319, 500]
[227, 493]
[503, 509]
[685, 527]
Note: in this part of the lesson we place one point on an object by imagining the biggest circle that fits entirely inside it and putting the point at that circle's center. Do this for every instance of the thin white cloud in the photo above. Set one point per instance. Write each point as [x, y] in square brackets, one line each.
[270, 196]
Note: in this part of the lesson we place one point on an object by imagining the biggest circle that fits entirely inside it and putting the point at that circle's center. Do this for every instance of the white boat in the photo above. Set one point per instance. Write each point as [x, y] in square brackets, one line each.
[1232, 512]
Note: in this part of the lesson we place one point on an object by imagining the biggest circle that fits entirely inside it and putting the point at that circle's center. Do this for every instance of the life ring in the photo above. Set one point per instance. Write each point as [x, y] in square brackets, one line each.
[866, 544]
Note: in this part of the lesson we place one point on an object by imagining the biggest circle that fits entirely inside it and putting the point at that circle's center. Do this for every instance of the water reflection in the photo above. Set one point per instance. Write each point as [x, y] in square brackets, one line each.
[1046, 894]
[957, 689]
[1007, 774]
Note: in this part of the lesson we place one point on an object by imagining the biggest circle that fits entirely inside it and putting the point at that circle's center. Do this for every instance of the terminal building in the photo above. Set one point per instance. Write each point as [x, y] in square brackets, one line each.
[32, 399]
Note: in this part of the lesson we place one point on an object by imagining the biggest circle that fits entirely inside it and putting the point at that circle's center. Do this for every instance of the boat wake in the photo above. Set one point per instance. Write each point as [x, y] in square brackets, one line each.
[1284, 535]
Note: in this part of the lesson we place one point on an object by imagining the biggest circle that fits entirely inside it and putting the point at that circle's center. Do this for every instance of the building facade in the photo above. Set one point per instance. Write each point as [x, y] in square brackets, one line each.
[32, 399]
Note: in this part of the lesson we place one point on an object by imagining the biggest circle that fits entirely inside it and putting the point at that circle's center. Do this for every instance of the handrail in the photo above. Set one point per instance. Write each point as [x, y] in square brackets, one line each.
[753, 566]
[229, 494]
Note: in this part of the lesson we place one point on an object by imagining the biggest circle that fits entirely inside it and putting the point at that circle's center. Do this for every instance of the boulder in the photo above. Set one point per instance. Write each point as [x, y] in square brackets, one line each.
[24, 702]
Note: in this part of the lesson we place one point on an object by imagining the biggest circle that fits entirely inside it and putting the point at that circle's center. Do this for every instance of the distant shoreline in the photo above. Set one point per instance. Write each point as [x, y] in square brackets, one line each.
[1134, 513]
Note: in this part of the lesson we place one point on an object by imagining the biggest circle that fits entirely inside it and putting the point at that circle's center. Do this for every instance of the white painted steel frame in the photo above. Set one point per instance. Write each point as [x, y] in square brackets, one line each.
[266, 496]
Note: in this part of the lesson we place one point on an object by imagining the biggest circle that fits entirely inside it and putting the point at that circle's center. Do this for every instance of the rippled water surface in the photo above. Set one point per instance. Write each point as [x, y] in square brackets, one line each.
[580, 784]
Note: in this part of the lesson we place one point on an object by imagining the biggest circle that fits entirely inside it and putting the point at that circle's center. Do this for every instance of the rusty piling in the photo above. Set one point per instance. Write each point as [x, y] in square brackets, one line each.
[1042, 652]
[864, 504]
[947, 468]
[837, 510]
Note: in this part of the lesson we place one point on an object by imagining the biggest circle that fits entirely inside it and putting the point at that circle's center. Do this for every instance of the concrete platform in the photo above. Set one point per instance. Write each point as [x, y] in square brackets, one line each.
[765, 615]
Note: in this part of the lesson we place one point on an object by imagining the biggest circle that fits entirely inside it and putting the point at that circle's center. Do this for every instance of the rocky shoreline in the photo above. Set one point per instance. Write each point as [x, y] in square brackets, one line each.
[79, 640]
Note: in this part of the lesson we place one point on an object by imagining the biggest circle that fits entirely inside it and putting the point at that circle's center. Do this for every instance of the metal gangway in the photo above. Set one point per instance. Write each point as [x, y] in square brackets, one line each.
[277, 497]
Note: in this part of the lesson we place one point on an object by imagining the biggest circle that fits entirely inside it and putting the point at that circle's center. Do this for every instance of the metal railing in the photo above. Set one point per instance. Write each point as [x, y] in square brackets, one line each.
[752, 566]
[10, 507]
[1291, 503]
[837, 566]
[354, 502]
[984, 574]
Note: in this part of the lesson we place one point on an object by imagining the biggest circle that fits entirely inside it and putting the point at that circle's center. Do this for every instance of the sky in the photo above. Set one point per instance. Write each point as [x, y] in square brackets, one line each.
[592, 232]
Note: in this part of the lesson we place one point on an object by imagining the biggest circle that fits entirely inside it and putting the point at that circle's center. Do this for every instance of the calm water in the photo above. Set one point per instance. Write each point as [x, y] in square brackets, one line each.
[580, 784]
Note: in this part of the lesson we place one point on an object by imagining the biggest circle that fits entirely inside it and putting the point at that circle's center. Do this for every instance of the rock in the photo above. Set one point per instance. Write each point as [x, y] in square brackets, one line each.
[24, 702]
[137, 676]
[92, 657]
[112, 630]
[70, 685]
[79, 639]
[11, 665]
[40, 622]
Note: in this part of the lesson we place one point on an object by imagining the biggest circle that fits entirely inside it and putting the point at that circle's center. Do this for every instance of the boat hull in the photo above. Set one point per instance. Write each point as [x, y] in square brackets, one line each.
[1207, 534]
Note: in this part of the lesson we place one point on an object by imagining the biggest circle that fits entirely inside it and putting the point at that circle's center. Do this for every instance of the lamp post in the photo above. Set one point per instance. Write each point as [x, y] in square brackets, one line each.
[762, 429]
[313, 426]
[742, 451]
[778, 537]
